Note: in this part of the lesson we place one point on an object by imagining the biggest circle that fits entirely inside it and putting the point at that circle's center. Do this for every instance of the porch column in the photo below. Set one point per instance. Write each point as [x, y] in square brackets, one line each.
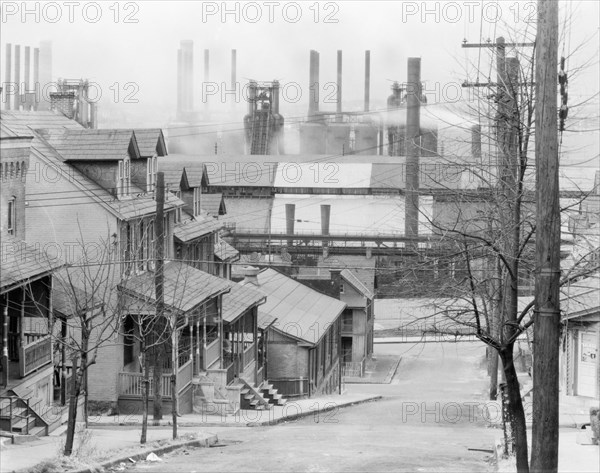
[255, 338]
[198, 346]
[220, 330]
[22, 325]
[192, 344]
[63, 362]
[5, 365]
[204, 366]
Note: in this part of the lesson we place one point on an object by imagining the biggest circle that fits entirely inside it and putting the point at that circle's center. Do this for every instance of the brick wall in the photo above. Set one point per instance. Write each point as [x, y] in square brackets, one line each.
[285, 358]
[14, 165]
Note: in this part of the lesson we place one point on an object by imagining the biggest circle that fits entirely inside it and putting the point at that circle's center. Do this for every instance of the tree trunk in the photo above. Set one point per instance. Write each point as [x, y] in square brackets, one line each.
[145, 397]
[158, 371]
[75, 388]
[517, 413]
[175, 365]
[493, 372]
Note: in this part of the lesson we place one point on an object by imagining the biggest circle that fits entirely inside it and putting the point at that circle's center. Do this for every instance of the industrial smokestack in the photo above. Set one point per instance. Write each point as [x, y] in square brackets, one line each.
[17, 97]
[233, 75]
[206, 75]
[313, 83]
[290, 216]
[325, 214]
[413, 132]
[367, 79]
[275, 98]
[179, 82]
[27, 69]
[36, 77]
[45, 74]
[476, 143]
[339, 86]
[7, 73]
[187, 62]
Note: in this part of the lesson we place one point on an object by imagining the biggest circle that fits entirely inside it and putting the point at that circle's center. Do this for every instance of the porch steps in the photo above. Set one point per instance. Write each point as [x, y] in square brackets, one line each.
[251, 397]
[270, 394]
[24, 420]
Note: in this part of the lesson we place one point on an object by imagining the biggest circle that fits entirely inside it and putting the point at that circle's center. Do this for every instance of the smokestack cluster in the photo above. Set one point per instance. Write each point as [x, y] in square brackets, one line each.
[313, 83]
[325, 217]
[25, 93]
[413, 132]
[185, 77]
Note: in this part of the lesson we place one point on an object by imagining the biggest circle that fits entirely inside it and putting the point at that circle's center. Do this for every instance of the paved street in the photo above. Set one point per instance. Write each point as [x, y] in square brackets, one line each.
[427, 421]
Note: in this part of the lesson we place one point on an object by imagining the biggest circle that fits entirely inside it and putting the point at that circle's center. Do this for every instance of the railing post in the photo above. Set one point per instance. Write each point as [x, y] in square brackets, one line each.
[10, 409]
[27, 418]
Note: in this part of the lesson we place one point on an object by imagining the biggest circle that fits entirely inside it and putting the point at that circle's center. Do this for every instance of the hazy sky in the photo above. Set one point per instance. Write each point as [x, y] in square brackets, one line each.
[116, 44]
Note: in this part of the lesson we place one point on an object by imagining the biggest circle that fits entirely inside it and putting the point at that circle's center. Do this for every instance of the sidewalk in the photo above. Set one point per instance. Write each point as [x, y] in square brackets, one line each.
[250, 418]
[378, 371]
[109, 435]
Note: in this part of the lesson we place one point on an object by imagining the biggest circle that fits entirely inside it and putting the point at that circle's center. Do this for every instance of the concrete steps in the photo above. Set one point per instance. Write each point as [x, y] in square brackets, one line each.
[270, 394]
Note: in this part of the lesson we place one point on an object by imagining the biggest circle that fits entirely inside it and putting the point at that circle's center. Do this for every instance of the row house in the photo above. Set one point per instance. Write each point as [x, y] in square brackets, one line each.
[26, 365]
[90, 192]
[198, 232]
[302, 330]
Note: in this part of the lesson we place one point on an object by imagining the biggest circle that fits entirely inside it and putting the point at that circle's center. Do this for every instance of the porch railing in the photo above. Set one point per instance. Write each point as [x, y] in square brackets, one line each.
[132, 384]
[213, 352]
[354, 369]
[35, 355]
[249, 354]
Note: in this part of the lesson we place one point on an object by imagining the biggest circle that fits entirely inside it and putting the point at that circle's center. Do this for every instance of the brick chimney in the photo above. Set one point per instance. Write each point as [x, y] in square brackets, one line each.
[64, 102]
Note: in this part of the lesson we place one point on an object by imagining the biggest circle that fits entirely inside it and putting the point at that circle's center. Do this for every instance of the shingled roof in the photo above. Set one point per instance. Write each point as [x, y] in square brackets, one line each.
[185, 287]
[301, 312]
[95, 145]
[224, 251]
[150, 141]
[188, 231]
[22, 262]
[239, 300]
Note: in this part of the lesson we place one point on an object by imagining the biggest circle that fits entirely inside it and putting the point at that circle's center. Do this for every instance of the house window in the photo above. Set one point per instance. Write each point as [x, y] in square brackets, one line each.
[178, 210]
[151, 170]
[197, 194]
[123, 178]
[12, 216]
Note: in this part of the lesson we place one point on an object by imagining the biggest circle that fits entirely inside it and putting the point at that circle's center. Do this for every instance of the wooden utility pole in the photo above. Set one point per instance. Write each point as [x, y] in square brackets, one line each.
[544, 454]
[159, 295]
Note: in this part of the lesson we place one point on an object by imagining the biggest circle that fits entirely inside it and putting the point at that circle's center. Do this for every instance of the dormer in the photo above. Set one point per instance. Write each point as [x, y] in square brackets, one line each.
[107, 157]
[151, 143]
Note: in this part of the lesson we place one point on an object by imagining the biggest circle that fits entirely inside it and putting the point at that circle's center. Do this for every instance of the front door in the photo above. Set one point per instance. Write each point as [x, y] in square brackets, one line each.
[587, 378]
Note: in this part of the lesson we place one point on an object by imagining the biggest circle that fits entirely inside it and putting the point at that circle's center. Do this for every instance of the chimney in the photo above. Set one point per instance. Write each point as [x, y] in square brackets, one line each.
[7, 73]
[413, 132]
[251, 275]
[27, 70]
[64, 102]
[339, 86]
[367, 79]
[17, 97]
[290, 215]
[45, 74]
[325, 214]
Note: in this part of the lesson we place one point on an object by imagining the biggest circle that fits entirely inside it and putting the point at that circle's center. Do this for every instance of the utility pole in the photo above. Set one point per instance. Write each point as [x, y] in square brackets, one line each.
[546, 336]
[413, 150]
[159, 295]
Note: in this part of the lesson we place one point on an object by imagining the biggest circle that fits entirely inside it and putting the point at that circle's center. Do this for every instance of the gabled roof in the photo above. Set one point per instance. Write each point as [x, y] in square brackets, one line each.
[95, 145]
[185, 287]
[581, 299]
[192, 229]
[21, 263]
[303, 313]
[353, 280]
[151, 141]
[213, 204]
[239, 300]
[193, 171]
[141, 203]
[224, 251]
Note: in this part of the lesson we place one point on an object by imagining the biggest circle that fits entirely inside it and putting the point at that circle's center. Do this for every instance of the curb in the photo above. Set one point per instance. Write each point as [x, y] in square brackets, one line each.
[205, 442]
[165, 423]
[300, 415]
[392, 372]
